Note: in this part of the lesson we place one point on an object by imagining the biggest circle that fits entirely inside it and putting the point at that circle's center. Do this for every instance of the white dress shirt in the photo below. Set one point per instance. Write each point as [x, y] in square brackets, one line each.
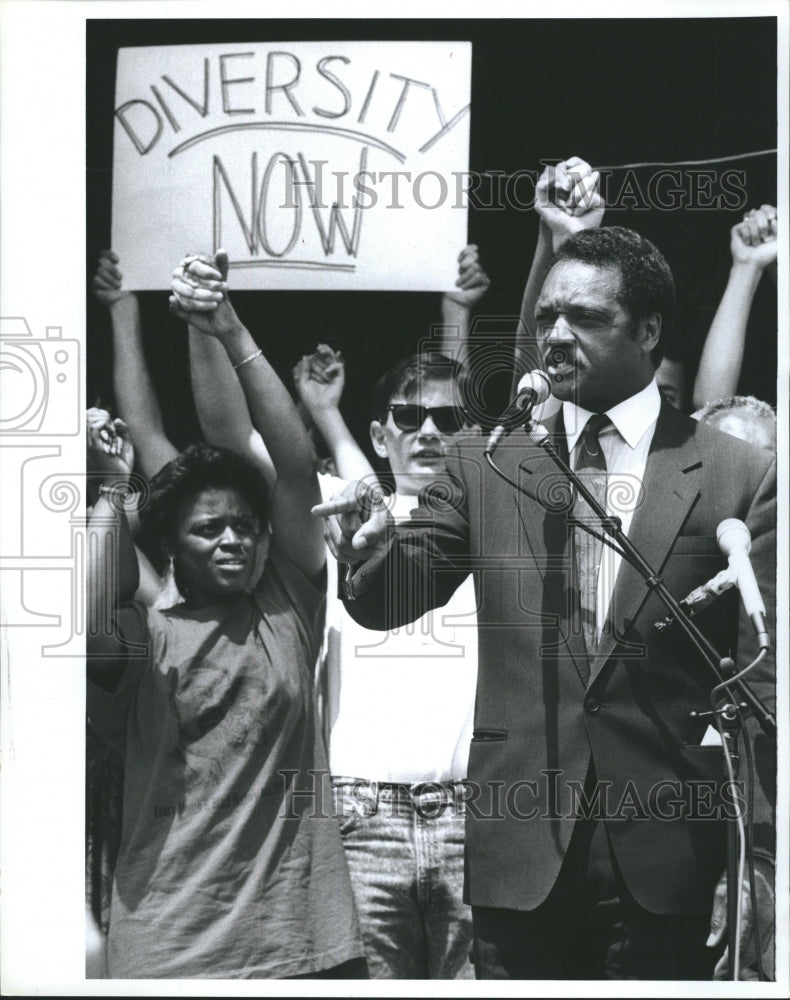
[625, 443]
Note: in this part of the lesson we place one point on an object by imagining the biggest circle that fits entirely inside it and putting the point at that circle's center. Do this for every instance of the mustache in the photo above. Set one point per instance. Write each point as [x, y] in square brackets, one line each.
[560, 354]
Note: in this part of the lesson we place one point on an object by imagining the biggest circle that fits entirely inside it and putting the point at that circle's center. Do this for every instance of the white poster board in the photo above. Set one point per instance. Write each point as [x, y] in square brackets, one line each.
[316, 165]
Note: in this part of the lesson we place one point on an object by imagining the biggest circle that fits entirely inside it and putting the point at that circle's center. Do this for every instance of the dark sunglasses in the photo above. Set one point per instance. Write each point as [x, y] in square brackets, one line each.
[410, 417]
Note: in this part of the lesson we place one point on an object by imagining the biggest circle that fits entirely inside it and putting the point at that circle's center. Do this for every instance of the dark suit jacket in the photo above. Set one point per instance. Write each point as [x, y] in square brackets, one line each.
[544, 711]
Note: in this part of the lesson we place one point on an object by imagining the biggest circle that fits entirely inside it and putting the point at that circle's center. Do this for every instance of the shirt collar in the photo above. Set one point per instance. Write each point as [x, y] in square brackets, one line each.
[632, 417]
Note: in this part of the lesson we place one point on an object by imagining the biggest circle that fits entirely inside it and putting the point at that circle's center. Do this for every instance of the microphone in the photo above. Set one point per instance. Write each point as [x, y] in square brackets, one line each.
[699, 598]
[534, 388]
[735, 542]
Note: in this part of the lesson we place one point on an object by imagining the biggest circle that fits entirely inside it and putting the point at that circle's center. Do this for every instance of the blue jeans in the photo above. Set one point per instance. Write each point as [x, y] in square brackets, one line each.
[405, 851]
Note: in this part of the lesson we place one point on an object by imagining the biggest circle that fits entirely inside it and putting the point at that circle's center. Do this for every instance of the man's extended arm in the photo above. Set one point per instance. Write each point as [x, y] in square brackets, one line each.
[399, 572]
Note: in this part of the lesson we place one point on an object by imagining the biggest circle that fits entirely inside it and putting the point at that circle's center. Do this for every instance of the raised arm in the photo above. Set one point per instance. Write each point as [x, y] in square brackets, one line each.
[753, 246]
[221, 407]
[112, 571]
[134, 391]
[200, 298]
[152, 590]
[567, 200]
[471, 284]
[319, 379]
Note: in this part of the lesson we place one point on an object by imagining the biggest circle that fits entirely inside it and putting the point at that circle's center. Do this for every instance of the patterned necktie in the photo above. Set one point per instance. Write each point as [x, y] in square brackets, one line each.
[591, 468]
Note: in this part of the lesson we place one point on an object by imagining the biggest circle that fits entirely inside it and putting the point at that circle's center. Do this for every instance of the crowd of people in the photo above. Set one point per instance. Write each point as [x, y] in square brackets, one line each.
[418, 725]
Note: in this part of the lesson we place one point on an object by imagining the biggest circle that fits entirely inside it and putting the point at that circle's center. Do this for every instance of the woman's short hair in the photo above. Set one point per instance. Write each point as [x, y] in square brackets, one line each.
[199, 467]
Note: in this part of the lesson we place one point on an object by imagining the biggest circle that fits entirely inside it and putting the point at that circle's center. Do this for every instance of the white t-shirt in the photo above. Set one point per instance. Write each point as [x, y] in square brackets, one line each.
[399, 705]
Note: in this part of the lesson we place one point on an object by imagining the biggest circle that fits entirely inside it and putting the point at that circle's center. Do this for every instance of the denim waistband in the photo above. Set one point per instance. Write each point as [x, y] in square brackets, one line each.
[428, 798]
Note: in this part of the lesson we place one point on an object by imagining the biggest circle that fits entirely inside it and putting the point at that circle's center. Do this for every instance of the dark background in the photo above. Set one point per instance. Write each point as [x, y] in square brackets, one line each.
[611, 91]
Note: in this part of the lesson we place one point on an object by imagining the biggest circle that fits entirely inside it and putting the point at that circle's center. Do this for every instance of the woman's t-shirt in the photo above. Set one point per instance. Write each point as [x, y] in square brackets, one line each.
[230, 864]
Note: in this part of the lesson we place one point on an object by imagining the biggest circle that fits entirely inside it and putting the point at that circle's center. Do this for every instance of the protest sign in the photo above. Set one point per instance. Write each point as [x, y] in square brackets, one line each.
[331, 165]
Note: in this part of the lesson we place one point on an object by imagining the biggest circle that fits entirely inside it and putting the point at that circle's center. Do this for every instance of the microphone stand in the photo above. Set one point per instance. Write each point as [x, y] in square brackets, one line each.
[730, 723]
[612, 525]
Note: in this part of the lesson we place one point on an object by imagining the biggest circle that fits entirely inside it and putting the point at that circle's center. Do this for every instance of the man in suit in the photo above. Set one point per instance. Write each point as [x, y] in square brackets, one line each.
[596, 819]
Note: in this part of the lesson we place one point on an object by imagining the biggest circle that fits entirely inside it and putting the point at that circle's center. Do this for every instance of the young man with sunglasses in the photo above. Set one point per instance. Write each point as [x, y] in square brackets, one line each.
[399, 717]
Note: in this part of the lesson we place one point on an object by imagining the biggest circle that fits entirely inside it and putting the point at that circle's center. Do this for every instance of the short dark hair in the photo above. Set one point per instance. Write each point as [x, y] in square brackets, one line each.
[646, 282]
[409, 375]
[199, 467]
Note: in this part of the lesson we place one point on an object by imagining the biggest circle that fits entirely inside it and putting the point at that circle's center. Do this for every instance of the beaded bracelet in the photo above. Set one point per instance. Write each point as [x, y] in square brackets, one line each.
[246, 361]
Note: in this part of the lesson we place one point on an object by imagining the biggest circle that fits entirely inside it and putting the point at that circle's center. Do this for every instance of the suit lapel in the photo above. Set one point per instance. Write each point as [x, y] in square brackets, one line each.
[547, 534]
[670, 487]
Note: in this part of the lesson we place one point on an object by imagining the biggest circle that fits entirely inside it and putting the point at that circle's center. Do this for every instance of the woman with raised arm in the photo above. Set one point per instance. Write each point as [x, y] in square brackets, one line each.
[135, 396]
[230, 865]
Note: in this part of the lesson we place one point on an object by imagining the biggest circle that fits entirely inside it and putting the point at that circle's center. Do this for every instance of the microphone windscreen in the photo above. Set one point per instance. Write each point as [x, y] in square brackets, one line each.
[537, 382]
[732, 535]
